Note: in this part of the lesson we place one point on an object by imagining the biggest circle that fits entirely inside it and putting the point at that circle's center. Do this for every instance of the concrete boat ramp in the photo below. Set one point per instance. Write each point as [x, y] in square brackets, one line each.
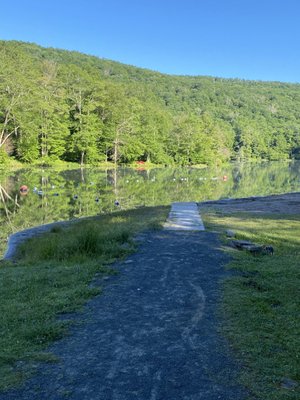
[184, 216]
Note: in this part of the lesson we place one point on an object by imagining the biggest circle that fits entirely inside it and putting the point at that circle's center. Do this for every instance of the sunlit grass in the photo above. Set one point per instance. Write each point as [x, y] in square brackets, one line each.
[52, 277]
[261, 302]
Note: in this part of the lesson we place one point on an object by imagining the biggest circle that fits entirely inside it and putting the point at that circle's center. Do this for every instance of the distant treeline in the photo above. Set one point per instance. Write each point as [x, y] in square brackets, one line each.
[62, 105]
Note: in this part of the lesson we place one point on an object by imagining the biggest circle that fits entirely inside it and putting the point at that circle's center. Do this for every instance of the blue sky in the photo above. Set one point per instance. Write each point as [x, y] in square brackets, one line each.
[248, 39]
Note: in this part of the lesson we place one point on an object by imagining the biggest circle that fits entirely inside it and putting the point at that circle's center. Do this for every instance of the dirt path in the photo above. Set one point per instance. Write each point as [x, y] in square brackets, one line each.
[152, 335]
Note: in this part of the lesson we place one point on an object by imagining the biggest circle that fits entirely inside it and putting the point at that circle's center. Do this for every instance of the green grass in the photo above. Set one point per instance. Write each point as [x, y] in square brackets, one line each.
[261, 302]
[52, 277]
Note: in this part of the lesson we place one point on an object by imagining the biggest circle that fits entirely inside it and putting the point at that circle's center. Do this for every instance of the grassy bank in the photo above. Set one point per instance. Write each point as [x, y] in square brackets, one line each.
[52, 278]
[11, 163]
[261, 302]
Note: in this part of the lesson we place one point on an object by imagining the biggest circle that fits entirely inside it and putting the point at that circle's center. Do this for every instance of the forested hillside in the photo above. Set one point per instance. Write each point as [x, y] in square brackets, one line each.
[62, 105]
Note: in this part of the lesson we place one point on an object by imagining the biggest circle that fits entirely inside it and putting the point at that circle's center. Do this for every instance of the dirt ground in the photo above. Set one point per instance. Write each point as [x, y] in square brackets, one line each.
[276, 204]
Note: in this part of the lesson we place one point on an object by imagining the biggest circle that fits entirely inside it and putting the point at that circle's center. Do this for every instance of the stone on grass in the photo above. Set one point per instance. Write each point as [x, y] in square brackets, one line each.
[230, 233]
[240, 244]
[253, 248]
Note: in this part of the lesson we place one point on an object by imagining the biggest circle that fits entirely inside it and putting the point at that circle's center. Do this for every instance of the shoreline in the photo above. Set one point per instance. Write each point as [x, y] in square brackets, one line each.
[287, 203]
[18, 238]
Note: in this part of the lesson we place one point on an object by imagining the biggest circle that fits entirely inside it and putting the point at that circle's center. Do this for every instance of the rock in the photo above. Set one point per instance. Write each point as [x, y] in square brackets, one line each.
[256, 249]
[268, 250]
[240, 244]
[253, 248]
[230, 233]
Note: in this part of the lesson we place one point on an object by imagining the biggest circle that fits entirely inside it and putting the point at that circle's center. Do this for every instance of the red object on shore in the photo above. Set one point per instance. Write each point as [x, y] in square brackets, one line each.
[23, 189]
[140, 162]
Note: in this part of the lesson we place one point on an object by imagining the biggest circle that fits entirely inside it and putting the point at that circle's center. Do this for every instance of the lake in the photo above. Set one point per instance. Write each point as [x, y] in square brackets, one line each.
[55, 195]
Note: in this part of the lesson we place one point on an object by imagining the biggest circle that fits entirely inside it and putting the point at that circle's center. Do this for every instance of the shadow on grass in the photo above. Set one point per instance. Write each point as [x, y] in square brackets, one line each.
[51, 277]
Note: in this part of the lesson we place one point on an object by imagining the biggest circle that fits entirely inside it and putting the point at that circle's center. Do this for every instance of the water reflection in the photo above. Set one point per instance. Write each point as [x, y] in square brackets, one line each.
[59, 195]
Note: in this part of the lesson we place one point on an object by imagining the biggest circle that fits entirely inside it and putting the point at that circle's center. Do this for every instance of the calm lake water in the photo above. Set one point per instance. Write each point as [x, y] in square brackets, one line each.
[61, 195]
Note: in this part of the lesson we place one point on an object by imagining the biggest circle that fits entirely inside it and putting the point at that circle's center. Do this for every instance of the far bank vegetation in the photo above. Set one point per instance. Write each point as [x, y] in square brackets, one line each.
[59, 105]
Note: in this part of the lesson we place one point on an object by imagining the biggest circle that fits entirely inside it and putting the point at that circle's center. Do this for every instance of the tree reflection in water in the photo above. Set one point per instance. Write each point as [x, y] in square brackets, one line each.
[63, 195]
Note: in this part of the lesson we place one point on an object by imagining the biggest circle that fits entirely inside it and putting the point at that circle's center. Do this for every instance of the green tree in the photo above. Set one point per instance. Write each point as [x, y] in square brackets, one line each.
[86, 126]
[53, 112]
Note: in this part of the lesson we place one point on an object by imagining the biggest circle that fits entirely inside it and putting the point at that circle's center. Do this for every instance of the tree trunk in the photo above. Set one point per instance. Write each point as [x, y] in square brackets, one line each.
[82, 158]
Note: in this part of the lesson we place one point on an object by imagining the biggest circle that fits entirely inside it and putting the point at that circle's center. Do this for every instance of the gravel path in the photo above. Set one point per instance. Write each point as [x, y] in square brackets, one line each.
[152, 335]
